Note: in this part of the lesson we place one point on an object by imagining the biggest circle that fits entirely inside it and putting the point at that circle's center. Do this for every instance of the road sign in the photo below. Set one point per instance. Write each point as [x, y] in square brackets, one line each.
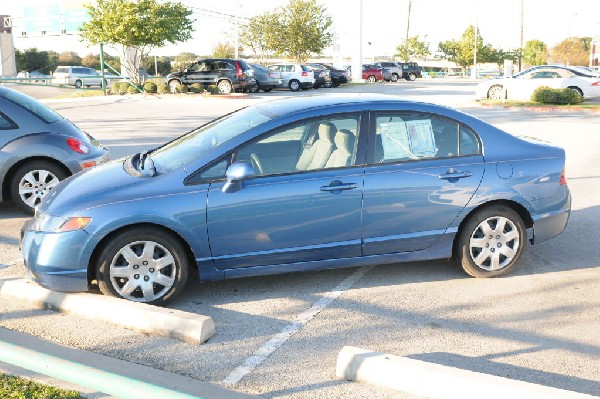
[59, 17]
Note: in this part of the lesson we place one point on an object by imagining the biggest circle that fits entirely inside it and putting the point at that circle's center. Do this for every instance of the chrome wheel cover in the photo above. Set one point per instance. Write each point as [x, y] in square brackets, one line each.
[494, 243]
[224, 87]
[496, 93]
[35, 185]
[294, 85]
[143, 271]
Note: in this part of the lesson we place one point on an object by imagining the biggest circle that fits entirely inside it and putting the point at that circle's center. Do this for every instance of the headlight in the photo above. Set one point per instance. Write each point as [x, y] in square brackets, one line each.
[60, 224]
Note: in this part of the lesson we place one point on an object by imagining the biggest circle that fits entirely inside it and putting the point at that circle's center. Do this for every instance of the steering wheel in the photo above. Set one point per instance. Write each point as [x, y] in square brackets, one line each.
[256, 163]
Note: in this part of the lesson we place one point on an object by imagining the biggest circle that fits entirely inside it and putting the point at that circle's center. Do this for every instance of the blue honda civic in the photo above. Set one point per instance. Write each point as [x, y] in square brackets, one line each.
[301, 184]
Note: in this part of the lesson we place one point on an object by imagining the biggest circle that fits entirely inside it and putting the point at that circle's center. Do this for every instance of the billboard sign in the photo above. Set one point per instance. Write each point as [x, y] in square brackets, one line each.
[53, 18]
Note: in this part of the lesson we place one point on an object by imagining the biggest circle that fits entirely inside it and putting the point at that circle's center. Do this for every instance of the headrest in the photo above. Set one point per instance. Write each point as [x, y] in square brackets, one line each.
[344, 140]
[326, 131]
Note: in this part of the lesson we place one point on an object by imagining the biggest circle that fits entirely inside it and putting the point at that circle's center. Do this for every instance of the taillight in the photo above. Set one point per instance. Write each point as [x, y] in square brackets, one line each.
[78, 145]
[239, 73]
[563, 178]
[596, 83]
[305, 74]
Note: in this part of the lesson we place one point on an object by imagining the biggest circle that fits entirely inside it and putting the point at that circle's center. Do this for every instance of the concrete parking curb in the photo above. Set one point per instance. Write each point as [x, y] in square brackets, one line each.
[188, 327]
[436, 381]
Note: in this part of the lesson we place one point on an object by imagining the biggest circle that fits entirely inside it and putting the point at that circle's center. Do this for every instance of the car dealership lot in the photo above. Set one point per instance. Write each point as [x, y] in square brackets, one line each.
[539, 324]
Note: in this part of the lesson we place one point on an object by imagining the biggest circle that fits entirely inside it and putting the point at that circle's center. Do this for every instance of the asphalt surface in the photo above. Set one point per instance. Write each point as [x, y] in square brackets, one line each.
[541, 324]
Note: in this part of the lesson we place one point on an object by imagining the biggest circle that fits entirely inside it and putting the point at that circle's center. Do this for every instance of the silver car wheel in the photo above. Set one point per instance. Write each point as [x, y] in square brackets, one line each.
[143, 271]
[496, 93]
[225, 87]
[494, 243]
[173, 86]
[34, 186]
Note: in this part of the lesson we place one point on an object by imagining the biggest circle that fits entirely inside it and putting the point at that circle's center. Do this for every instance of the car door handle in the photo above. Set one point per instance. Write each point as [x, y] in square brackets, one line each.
[454, 174]
[339, 187]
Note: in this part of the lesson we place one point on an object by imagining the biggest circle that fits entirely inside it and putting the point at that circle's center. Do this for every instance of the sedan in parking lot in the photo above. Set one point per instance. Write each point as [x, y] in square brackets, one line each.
[38, 148]
[301, 184]
[295, 76]
[522, 85]
[266, 80]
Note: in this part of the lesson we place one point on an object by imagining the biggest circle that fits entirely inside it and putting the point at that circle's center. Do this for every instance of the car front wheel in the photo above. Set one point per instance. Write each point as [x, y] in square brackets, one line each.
[32, 182]
[142, 264]
[173, 86]
[496, 92]
[411, 77]
[394, 77]
[491, 242]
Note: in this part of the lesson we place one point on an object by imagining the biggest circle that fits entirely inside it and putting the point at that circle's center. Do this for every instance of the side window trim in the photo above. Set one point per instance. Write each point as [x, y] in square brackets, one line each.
[11, 124]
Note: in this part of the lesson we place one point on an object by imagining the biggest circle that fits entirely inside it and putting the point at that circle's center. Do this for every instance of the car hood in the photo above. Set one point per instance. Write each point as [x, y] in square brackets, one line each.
[88, 189]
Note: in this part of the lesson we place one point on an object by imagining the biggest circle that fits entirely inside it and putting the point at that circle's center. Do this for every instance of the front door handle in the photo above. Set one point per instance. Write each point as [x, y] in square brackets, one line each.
[454, 174]
[337, 185]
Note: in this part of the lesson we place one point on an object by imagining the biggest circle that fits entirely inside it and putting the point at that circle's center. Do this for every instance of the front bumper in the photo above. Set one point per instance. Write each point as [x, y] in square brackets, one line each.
[56, 260]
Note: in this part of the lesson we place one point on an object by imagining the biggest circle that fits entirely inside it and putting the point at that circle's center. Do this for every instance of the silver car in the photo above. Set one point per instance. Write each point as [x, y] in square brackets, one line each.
[39, 148]
[77, 76]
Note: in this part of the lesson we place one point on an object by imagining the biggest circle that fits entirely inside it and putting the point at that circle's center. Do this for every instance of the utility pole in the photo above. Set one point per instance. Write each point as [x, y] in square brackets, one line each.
[521, 42]
[237, 28]
[408, 20]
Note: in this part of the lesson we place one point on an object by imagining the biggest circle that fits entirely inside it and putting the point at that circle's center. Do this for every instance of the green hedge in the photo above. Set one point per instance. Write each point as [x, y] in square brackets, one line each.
[213, 89]
[150, 87]
[548, 95]
[162, 88]
[197, 88]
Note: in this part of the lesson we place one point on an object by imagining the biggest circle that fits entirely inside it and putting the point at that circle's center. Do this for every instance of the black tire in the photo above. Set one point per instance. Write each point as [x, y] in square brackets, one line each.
[371, 79]
[394, 77]
[78, 84]
[577, 90]
[166, 282]
[491, 253]
[254, 89]
[267, 90]
[294, 85]
[173, 85]
[28, 192]
[411, 77]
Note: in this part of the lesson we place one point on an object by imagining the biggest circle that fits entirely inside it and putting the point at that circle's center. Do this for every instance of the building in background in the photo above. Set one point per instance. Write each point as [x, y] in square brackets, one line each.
[8, 63]
[595, 52]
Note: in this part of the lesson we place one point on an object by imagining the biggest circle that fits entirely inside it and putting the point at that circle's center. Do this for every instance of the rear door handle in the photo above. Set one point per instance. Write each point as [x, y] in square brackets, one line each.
[454, 174]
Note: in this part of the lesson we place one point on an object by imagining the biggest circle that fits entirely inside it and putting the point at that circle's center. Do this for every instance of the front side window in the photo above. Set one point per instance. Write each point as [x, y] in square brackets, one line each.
[309, 145]
[406, 136]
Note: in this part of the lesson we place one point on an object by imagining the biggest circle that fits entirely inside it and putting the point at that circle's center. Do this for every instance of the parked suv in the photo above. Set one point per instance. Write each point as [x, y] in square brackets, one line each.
[77, 76]
[410, 70]
[295, 76]
[226, 73]
[394, 68]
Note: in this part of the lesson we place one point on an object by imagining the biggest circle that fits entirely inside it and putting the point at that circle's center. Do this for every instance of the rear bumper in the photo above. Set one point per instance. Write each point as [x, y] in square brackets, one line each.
[551, 224]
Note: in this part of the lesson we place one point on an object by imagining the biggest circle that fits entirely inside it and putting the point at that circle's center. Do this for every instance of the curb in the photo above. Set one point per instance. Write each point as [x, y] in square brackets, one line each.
[540, 108]
[436, 381]
[184, 326]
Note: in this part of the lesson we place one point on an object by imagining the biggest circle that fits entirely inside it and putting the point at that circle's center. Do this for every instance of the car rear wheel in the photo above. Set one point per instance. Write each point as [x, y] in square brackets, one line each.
[254, 89]
[577, 90]
[294, 85]
[225, 87]
[496, 92]
[173, 85]
[371, 79]
[411, 77]
[142, 265]
[32, 182]
[78, 84]
[394, 77]
[491, 242]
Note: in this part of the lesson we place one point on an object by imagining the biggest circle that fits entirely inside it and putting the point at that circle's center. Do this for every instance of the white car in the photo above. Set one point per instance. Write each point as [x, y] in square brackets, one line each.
[522, 85]
[295, 76]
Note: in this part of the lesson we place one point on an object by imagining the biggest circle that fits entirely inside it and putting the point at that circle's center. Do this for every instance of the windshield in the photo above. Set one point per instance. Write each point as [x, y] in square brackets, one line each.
[36, 108]
[200, 142]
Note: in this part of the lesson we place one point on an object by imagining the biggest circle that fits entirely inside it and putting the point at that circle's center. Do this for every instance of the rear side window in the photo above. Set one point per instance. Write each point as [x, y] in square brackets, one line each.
[34, 107]
[62, 70]
[6, 123]
[306, 68]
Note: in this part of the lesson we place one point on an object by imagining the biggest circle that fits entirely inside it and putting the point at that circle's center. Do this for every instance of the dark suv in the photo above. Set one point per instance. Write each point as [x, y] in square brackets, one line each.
[410, 70]
[226, 73]
[337, 75]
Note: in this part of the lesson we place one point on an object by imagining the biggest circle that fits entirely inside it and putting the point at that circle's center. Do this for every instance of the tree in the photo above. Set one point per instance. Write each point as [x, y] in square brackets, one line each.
[570, 51]
[260, 34]
[303, 28]
[461, 52]
[136, 27]
[91, 61]
[163, 64]
[183, 60]
[33, 60]
[535, 52]
[413, 48]
[69, 58]
[223, 50]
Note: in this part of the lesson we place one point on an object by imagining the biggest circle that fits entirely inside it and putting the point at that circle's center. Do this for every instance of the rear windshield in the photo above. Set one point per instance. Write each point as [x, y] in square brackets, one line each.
[29, 104]
[62, 70]
[306, 68]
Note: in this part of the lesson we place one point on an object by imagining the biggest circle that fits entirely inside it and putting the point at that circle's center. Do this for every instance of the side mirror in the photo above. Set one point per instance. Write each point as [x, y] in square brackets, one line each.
[236, 174]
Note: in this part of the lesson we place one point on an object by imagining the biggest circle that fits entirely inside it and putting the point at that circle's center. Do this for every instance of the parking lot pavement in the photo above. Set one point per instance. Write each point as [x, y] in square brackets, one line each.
[540, 324]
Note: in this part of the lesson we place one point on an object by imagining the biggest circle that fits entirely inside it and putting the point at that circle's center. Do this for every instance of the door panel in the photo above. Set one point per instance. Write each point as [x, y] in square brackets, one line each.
[286, 219]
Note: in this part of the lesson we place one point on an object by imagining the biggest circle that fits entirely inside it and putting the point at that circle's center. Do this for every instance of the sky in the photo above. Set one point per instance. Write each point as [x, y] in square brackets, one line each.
[384, 23]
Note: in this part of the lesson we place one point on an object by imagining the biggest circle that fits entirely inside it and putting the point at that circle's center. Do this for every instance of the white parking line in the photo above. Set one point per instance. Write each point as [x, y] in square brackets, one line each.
[280, 338]
[11, 263]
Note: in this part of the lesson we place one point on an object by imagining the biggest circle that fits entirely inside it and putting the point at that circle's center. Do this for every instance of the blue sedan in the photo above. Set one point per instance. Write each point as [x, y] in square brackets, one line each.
[301, 184]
